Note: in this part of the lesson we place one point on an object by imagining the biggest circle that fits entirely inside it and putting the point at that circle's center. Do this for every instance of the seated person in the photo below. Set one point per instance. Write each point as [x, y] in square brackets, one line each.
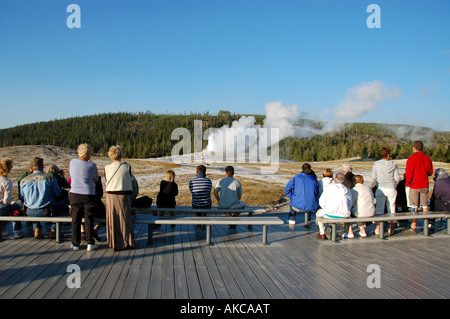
[303, 193]
[7, 206]
[228, 192]
[362, 205]
[39, 191]
[168, 190]
[441, 192]
[335, 202]
[200, 187]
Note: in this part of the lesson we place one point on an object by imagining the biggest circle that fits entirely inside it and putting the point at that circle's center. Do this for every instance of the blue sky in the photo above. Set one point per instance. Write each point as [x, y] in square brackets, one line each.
[176, 56]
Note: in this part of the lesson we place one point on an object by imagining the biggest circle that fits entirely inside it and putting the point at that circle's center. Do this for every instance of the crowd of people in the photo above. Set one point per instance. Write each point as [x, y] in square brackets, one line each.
[51, 194]
[340, 196]
[346, 195]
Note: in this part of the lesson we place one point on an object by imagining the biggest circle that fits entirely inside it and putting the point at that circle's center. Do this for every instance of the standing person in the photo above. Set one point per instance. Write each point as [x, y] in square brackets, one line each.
[119, 189]
[335, 202]
[200, 187]
[303, 193]
[362, 205]
[386, 177]
[7, 206]
[418, 169]
[228, 192]
[82, 195]
[39, 191]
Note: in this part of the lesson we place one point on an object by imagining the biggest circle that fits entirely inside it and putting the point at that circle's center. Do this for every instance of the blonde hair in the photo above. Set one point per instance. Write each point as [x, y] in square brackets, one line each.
[170, 176]
[359, 179]
[84, 150]
[5, 166]
[52, 168]
[115, 153]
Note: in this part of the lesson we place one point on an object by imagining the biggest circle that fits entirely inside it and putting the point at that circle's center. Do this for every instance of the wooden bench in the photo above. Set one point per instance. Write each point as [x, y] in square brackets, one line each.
[58, 220]
[386, 218]
[205, 220]
[150, 220]
[188, 210]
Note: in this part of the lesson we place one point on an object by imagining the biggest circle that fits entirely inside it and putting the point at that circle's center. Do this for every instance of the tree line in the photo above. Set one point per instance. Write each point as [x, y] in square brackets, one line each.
[147, 135]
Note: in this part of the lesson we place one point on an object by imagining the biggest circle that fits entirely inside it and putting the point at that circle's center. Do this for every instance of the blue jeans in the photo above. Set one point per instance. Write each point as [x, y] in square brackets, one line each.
[40, 212]
[8, 210]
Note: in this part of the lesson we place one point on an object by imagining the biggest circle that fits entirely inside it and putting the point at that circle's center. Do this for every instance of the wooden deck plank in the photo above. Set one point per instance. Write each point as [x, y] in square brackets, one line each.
[180, 265]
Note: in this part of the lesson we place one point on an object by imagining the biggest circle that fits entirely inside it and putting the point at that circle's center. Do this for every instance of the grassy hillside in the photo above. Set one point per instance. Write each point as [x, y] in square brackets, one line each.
[147, 135]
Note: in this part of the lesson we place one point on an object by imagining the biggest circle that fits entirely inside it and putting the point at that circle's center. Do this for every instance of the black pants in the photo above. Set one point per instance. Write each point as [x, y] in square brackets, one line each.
[83, 206]
[202, 207]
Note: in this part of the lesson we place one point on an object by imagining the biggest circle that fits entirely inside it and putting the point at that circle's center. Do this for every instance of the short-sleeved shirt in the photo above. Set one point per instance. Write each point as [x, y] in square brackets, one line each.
[230, 190]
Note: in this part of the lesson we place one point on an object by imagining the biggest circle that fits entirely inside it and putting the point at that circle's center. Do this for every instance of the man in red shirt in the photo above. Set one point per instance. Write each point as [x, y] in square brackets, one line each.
[418, 168]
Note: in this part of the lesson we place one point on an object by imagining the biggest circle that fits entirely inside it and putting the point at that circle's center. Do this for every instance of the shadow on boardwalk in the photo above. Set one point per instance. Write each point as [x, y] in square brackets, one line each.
[295, 265]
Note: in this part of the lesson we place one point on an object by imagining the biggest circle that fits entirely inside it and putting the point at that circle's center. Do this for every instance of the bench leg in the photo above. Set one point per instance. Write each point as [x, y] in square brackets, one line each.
[58, 233]
[264, 235]
[150, 235]
[333, 232]
[381, 230]
[208, 234]
[250, 227]
[426, 221]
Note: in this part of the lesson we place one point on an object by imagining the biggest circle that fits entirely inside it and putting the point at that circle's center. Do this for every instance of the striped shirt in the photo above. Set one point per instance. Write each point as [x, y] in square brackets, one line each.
[200, 187]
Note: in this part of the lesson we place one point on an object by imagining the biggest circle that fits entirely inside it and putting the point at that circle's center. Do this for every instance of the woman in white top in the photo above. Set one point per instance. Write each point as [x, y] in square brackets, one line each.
[7, 206]
[119, 222]
[326, 180]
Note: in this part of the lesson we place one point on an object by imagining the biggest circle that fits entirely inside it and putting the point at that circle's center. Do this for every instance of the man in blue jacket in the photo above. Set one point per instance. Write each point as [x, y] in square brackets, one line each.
[39, 191]
[303, 193]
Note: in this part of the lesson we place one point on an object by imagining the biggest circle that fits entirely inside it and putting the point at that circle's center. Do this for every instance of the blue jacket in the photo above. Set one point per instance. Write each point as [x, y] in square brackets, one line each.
[39, 190]
[303, 192]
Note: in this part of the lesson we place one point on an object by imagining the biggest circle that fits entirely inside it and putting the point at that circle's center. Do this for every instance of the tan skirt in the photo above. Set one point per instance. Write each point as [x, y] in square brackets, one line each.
[119, 224]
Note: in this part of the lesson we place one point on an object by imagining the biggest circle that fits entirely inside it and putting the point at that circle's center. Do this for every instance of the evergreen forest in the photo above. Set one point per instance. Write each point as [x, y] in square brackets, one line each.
[147, 135]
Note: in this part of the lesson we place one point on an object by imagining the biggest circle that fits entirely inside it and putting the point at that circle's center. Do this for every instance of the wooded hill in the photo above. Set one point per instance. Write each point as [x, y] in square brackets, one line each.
[145, 135]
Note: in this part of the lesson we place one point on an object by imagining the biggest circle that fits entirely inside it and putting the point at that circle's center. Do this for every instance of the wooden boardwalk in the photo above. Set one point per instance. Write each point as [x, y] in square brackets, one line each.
[295, 265]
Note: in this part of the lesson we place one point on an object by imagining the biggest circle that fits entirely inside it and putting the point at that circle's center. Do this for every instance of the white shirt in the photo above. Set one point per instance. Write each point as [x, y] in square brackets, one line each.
[335, 201]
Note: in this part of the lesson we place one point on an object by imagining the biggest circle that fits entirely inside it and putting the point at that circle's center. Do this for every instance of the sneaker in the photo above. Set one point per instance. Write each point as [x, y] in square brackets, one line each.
[91, 247]
[18, 234]
[38, 233]
[346, 235]
[75, 248]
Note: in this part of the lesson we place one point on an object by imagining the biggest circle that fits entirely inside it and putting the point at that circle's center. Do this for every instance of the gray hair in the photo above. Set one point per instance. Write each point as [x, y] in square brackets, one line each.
[347, 167]
[339, 178]
[440, 173]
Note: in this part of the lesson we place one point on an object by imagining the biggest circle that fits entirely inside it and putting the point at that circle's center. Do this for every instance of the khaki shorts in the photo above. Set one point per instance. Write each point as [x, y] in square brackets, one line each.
[418, 197]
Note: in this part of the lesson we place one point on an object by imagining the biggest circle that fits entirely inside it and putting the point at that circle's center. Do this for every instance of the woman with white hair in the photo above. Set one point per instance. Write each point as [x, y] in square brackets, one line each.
[83, 175]
[119, 189]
